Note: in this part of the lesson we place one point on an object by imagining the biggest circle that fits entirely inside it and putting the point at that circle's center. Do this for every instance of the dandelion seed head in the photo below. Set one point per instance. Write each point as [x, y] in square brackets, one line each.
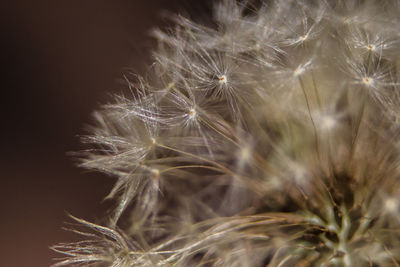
[274, 130]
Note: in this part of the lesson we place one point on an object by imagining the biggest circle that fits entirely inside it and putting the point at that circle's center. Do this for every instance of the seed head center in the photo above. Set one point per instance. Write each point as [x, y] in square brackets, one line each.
[304, 37]
[300, 70]
[192, 113]
[222, 79]
[371, 47]
[368, 81]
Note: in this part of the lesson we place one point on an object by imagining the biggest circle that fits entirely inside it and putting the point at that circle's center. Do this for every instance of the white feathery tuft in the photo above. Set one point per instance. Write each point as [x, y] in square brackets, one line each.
[268, 139]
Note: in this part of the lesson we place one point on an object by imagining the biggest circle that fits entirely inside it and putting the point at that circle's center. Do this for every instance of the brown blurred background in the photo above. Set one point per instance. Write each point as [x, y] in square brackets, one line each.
[61, 60]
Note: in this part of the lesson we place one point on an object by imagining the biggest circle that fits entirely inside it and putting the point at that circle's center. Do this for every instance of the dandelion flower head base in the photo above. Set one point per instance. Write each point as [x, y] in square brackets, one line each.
[270, 139]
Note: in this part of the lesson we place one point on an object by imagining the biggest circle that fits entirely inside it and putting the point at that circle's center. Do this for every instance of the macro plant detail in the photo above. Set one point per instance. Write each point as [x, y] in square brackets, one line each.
[268, 137]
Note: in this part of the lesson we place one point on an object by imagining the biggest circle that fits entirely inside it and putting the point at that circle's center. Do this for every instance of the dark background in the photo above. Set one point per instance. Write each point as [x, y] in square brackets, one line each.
[60, 60]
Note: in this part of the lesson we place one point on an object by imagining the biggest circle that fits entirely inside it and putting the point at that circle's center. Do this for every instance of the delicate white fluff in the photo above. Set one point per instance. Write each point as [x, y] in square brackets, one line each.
[268, 139]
